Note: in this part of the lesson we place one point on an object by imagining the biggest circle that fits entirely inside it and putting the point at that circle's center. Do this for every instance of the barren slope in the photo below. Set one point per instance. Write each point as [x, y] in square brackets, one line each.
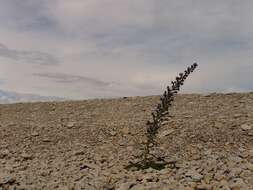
[87, 144]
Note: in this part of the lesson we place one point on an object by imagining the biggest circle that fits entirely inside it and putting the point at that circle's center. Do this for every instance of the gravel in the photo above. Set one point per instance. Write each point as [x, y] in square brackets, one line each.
[89, 144]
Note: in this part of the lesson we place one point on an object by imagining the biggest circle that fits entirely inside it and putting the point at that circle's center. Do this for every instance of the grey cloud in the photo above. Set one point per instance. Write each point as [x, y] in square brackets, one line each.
[138, 37]
[25, 15]
[66, 78]
[176, 31]
[2, 81]
[30, 57]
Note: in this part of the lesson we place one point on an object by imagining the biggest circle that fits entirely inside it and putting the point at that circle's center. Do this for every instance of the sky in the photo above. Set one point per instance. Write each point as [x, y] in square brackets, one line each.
[112, 48]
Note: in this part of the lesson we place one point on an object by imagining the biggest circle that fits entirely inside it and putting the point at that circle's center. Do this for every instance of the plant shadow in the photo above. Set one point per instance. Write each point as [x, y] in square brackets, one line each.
[156, 165]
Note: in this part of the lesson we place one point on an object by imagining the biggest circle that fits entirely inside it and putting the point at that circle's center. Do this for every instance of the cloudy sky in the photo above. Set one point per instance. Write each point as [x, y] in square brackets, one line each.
[108, 48]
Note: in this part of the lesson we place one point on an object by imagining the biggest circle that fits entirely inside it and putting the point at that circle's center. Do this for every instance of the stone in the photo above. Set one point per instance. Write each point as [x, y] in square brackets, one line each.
[208, 152]
[79, 152]
[245, 174]
[70, 124]
[113, 133]
[219, 175]
[139, 187]
[125, 130]
[26, 156]
[63, 187]
[234, 172]
[130, 148]
[237, 183]
[4, 153]
[185, 188]
[6, 179]
[250, 133]
[246, 127]
[250, 152]
[222, 185]
[243, 154]
[126, 186]
[204, 187]
[108, 187]
[249, 166]
[194, 175]
[88, 166]
[237, 115]
[149, 178]
[34, 134]
[166, 133]
[218, 125]
[46, 140]
[196, 157]
[123, 142]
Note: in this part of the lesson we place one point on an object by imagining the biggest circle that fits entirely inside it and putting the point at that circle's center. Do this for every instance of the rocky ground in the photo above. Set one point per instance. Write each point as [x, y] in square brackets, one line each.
[88, 144]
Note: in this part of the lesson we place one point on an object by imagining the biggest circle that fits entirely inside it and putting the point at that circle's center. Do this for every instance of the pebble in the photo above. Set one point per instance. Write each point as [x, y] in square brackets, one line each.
[166, 133]
[238, 115]
[26, 156]
[250, 166]
[6, 179]
[194, 175]
[34, 134]
[246, 127]
[79, 152]
[46, 140]
[126, 186]
[204, 187]
[113, 133]
[250, 133]
[237, 183]
[4, 153]
[125, 131]
[243, 154]
[88, 166]
[123, 142]
[70, 124]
